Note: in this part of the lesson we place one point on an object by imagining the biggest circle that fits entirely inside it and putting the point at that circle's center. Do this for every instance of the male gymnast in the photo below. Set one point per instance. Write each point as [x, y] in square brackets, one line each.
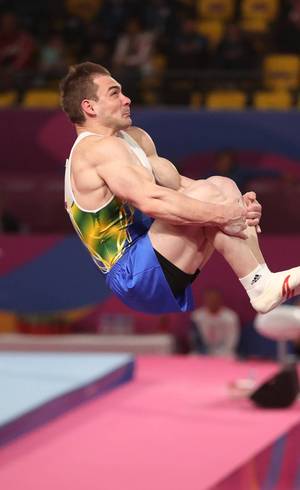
[148, 228]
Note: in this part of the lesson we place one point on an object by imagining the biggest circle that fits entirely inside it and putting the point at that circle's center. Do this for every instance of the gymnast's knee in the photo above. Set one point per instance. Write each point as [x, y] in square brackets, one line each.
[216, 189]
[205, 190]
[227, 185]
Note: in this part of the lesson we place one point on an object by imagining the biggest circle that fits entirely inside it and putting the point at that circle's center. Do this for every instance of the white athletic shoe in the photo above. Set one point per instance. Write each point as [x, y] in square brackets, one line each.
[281, 287]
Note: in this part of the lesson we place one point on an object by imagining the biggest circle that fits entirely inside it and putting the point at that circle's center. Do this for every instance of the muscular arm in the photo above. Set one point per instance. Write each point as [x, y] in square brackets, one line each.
[130, 182]
[164, 171]
[167, 175]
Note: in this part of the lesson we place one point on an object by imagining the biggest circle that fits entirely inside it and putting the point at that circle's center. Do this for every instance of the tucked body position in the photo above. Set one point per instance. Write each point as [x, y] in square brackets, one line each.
[148, 228]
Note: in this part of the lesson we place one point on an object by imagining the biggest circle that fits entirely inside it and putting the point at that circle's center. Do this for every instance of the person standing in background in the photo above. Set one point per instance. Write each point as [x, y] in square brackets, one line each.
[217, 325]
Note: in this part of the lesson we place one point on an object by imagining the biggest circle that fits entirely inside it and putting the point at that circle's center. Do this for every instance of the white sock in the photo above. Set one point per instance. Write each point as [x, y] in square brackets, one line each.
[255, 282]
[265, 267]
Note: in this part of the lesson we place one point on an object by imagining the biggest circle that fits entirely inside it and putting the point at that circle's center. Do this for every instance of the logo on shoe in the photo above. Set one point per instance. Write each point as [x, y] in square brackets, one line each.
[255, 279]
[287, 292]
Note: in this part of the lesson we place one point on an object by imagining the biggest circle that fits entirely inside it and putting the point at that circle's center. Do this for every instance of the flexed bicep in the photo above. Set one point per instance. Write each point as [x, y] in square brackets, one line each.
[125, 178]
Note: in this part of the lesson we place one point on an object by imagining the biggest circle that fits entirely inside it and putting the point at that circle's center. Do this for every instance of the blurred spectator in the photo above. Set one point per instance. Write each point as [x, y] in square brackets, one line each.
[100, 53]
[76, 35]
[235, 51]
[287, 38]
[226, 164]
[53, 59]
[189, 49]
[187, 54]
[217, 325]
[17, 53]
[132, 57]
[114, 14]
[158, 15]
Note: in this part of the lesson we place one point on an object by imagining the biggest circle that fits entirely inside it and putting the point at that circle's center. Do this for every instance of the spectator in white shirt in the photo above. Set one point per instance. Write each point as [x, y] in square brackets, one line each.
[217, 325]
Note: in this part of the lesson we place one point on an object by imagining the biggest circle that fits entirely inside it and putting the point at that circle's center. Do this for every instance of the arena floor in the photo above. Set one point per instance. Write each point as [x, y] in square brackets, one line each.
[174, 427]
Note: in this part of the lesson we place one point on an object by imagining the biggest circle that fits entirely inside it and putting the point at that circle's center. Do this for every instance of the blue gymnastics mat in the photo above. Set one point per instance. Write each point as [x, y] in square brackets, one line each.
[36, 387]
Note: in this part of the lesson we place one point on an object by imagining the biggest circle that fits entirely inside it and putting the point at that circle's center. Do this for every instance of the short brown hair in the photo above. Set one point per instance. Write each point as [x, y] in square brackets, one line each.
[78, 85]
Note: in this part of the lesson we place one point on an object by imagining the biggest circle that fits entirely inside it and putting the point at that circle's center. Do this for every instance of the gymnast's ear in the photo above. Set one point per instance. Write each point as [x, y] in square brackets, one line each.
[87, 107]
[280, 391]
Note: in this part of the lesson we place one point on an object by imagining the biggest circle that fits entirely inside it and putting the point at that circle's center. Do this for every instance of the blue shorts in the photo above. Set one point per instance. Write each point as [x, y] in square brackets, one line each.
[138, 280]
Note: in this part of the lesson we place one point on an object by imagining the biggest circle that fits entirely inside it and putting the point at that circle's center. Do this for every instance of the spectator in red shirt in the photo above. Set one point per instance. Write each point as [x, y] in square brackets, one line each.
[17, 52]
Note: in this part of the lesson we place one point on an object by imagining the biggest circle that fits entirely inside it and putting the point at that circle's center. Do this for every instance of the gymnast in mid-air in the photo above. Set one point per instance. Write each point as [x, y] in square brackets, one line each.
[148, 228]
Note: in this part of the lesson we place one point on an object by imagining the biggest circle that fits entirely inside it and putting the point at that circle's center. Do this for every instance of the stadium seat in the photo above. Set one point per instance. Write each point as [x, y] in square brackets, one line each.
[275, 100]
[254, 25]
[7, 99]
[261, 9]
[85, 9]
[281, 71]
[221, 10]
[212, 29]
[36, 98]
[229, 99]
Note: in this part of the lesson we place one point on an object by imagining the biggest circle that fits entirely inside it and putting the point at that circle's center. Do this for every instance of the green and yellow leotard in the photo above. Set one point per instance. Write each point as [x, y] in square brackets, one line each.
[108, 231]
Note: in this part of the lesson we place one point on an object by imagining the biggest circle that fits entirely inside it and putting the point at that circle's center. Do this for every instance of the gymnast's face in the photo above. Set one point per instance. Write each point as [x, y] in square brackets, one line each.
[112, 109]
